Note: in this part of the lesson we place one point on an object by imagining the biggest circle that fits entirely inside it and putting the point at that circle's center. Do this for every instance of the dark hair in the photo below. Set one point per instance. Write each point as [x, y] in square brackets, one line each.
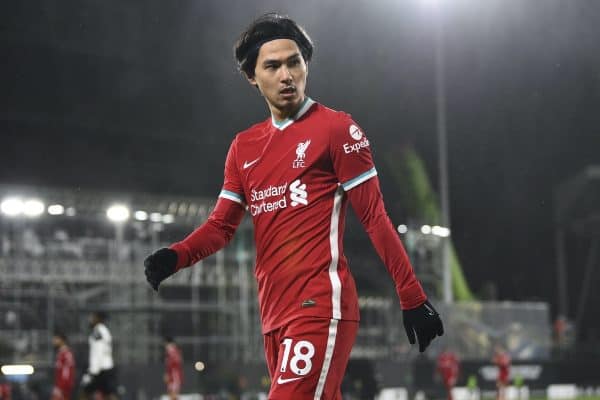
[265, 28]
[61, 335]
[168, 339]
[101, 315]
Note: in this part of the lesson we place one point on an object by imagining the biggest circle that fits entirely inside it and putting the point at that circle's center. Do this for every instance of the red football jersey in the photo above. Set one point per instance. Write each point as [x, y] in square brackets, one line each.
[447, 365]
[173, 365]
[5, 392]
[64, 371]
[502, 361]
[292, 177]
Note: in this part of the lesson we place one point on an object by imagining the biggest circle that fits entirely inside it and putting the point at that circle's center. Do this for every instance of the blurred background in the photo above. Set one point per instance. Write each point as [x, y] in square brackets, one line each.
[485, 133]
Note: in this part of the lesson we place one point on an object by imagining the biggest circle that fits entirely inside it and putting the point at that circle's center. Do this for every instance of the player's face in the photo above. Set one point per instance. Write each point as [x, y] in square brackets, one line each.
[280, 75]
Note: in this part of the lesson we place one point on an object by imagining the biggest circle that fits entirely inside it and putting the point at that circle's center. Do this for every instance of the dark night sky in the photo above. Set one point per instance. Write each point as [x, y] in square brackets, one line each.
[128, 95]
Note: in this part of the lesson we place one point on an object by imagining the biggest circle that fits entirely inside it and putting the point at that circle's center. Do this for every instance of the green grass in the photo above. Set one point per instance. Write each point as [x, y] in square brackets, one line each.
[577, 398]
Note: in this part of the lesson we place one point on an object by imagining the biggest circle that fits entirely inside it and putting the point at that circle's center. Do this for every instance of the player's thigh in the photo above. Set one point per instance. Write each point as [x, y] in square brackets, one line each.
[107, 383]
[312, 358]
[271, 347]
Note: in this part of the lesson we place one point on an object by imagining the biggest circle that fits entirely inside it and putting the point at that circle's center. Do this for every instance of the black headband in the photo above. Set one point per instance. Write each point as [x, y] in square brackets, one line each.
[257, 46]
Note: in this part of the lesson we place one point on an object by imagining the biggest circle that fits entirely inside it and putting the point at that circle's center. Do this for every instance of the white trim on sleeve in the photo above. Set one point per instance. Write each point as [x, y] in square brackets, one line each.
[226, 194]
[365, 176]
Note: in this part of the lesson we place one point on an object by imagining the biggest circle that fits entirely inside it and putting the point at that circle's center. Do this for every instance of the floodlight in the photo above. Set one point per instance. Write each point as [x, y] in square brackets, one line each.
[118, 213]
[56, 209]
[17, 369]
[402, 229]
[199, 366]
[168, 219]
[426, 229]
[440, 231]
[140, 215]
[33, 208]
[155, 217]
[12, 206]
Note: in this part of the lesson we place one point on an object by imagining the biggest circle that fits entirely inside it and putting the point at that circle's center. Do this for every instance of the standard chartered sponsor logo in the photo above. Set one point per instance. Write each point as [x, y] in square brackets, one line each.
[299, 194]
[274, 197]
[355, 147]
[270, 191]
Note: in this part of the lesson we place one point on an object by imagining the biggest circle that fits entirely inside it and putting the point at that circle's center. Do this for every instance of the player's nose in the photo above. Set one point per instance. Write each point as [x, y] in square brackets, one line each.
[286, 75]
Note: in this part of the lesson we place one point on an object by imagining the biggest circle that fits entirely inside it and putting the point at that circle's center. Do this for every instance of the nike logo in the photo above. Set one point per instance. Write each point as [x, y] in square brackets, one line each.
[429, 310]
[248, 164]
[281, 381]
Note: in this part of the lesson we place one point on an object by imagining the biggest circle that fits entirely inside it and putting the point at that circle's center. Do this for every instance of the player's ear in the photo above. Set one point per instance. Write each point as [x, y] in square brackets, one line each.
[251, 80]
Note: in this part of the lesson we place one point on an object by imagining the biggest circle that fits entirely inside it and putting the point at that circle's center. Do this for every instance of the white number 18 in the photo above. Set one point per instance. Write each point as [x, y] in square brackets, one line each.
[299, 355]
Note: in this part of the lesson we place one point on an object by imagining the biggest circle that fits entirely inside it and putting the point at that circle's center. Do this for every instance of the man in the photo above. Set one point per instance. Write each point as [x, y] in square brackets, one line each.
[100, 378]
[173, 368]
[5, 390]
[502, 361]
[447, 366]
[295, 173]
[64, 368]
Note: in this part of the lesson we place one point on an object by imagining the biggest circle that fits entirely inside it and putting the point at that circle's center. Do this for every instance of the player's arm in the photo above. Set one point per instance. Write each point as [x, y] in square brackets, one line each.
[355, 170]
[367, 202]
[421, 320]
[207, 239]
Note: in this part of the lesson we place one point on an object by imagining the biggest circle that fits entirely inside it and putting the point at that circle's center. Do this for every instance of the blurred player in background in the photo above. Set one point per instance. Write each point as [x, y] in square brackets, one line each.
[5, 391]
[295, 173]
[64, 368]
[448, 368]
[173, 368]
[100, 379]
[502, 361]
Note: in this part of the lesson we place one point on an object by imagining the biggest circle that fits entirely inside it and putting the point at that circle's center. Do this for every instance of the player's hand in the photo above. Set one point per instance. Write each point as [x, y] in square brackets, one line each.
[159, 266]
[424, 323]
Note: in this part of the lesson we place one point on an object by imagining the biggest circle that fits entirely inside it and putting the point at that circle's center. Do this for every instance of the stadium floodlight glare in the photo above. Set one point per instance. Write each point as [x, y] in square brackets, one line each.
[155, 217]
[56, 209]
[402, 229]
[12, 206]
[440, 231]
[426, 229]
[199, 366]
[33, 208]
[118, 213]
[140, 215]
[17, 369]
[168, 219]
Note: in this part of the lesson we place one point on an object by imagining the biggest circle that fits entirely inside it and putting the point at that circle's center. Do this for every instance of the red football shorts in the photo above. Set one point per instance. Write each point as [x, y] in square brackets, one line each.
[307, 358]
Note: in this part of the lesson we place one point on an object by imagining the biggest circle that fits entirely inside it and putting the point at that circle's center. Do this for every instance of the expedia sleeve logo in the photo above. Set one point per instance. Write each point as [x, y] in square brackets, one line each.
[357, 135]
[355, 132]
[355, 147]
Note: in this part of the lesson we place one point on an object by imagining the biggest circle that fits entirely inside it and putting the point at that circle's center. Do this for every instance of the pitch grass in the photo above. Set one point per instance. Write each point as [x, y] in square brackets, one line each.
[577, 398]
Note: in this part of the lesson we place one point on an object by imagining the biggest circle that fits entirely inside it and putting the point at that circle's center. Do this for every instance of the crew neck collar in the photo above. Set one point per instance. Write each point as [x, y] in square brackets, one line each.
[306, 104]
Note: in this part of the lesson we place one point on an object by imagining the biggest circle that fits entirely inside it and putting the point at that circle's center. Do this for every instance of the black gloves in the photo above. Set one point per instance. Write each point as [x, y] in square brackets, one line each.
[159, 266]
[423, 321]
